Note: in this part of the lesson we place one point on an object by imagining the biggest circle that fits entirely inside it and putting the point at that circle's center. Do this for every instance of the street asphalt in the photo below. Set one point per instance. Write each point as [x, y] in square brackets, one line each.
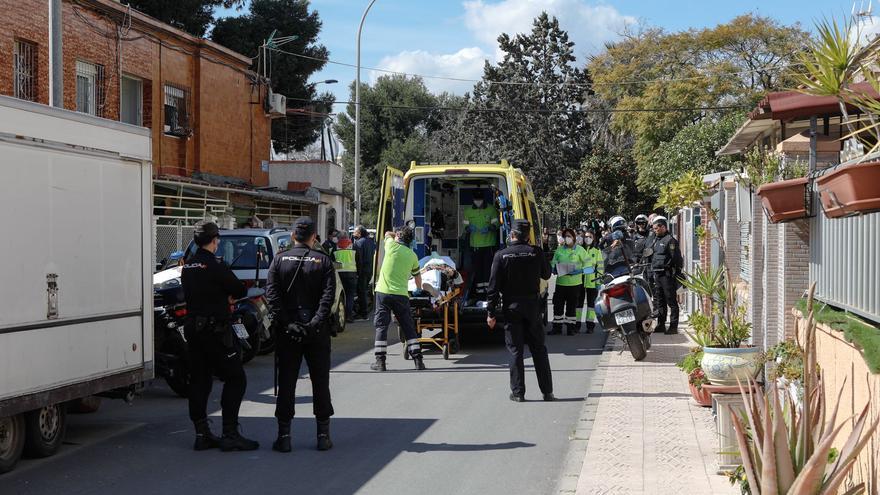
[448, 430]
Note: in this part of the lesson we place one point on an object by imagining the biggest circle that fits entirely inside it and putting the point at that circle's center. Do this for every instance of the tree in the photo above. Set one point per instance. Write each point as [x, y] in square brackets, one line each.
[398, 114]
[729, 65]
[289, 74]
[192, 16]
[691, 149]
[527, 109]
[605, 185]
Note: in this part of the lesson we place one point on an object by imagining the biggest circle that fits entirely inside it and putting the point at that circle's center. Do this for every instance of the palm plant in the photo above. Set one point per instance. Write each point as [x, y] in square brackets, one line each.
[787, 450]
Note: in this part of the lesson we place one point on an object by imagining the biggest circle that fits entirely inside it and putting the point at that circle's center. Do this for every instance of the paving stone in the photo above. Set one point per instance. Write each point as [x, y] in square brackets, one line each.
[647, 436]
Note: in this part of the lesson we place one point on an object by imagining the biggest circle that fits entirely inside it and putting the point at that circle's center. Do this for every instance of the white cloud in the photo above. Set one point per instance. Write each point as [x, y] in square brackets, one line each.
[589, 24]
[466, 63]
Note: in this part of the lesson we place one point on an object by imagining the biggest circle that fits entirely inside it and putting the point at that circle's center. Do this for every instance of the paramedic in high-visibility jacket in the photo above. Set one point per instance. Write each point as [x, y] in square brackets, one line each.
[481, 221]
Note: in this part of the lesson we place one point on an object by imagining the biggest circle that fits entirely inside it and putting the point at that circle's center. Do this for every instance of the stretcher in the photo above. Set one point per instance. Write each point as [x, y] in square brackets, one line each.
[437, 313]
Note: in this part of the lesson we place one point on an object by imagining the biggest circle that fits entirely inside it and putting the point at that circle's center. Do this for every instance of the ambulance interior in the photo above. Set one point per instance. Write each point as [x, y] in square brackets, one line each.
[437, 204]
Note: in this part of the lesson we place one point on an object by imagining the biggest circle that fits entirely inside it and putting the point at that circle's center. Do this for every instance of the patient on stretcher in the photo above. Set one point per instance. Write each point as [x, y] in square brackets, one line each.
[439, 276]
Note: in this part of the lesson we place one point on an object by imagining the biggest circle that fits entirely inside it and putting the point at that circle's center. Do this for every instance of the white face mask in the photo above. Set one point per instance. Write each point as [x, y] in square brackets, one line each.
[588, 239]
[335, 239]
[580, 240]
[569, 241]
[478, 203]
[559, 239]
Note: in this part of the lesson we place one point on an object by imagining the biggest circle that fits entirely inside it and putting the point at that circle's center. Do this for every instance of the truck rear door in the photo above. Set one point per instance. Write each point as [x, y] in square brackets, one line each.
[392, 205]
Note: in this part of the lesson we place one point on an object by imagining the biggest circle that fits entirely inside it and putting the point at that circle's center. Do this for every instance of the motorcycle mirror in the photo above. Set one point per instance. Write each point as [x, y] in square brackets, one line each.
[647, 252]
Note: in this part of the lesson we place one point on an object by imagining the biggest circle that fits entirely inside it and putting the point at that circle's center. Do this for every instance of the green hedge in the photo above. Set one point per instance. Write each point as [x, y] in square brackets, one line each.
[864, 335]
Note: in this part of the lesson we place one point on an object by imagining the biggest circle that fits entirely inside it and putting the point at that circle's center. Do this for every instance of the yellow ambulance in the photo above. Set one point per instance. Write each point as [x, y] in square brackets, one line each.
[434, 198]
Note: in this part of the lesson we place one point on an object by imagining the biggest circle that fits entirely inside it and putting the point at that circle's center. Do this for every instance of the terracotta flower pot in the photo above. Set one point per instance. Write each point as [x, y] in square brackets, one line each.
[785, 200]
[850, 189]
[701, 396]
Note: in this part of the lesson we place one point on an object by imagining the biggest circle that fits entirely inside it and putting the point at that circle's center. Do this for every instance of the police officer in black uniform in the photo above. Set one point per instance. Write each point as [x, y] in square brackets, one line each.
[515, 295]
[213, 349]
[666, 265]
[640, 237]
[301, 289]
[617, 248]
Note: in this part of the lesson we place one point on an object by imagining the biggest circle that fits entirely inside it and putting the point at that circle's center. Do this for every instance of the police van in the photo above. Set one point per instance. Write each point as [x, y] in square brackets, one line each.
[436, 196]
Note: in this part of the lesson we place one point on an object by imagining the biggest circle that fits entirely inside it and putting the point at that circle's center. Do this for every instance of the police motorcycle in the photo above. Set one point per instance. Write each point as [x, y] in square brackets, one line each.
[624, 307]
[169, 313]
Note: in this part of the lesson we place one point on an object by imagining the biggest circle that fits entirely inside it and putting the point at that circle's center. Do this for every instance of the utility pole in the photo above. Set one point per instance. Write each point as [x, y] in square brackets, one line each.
[357, 122]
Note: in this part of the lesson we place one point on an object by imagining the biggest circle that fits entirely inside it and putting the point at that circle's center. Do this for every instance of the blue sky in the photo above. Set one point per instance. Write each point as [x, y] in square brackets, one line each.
[452, 38]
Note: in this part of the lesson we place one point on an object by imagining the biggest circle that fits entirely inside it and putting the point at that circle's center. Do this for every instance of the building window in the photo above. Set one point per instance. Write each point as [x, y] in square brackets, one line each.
[89, 88]
[131, 103]
[176, 111]
[24, 70]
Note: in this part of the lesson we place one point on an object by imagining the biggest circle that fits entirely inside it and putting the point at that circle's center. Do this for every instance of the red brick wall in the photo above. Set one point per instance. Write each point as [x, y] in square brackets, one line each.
[27, 20]
[231, 136]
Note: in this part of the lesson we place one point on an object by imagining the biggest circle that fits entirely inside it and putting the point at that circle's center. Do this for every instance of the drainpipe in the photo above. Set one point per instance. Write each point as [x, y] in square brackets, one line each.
[56, 55]
[813, 139]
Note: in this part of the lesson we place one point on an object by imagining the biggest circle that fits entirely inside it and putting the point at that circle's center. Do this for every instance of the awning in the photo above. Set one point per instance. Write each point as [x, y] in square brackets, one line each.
[173, 180]
[745, 136]
[789, 105]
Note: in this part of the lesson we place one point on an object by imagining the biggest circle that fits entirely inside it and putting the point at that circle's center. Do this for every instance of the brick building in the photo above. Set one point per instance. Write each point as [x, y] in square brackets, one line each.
[211, 133]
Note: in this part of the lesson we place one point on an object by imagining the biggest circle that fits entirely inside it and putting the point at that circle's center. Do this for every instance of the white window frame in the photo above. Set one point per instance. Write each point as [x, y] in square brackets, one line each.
[175, 96]
[139, 111]
[88, 72]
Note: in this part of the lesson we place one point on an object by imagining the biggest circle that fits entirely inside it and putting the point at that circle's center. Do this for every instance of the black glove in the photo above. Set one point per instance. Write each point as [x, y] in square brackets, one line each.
[296, 331]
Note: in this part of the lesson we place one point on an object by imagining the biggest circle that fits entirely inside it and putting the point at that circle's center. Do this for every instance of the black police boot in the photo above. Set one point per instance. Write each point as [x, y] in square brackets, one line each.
[282, 443]
[379, 365]
[324, 442]
[419, 362]
[591, 327]
[549, 397]
[204, 438]
[515, 397]
[672, 330]
[232, 440]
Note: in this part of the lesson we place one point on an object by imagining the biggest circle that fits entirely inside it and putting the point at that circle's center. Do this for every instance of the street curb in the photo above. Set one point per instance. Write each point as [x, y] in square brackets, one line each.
[579, 437]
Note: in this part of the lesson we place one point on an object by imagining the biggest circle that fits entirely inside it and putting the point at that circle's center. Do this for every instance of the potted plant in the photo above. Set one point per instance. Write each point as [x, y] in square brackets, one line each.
[850, 189]
[722, 332]
[782, 200]
[690, 365]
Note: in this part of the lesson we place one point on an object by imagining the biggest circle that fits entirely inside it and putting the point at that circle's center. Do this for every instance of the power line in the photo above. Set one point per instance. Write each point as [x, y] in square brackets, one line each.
[534, 110]
[536, 83]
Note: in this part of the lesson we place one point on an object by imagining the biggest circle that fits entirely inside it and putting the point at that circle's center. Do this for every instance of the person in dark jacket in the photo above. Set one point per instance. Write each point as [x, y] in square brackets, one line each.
[364, 252]
[330, 244]
[301, 289]
[666, 265]
[515, 295]
[212, 347]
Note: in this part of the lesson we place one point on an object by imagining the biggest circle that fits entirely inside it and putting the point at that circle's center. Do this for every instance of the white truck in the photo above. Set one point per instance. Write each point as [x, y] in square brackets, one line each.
[75, 275]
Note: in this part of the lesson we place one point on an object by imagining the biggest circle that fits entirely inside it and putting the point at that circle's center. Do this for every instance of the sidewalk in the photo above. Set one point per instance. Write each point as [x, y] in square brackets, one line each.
[647, 434]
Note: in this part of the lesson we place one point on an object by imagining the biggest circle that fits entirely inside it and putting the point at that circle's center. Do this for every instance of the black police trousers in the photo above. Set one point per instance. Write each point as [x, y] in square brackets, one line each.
[208, 357]
[363, 292]
[290, 356]
[665, 286]
[523, 326]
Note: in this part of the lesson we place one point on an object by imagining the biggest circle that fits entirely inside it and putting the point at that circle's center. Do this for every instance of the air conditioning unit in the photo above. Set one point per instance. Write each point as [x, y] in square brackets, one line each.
[277, 104]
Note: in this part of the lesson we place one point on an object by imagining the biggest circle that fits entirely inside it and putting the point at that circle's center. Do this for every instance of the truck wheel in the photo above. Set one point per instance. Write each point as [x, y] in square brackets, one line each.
[12, 433]
[45, 430]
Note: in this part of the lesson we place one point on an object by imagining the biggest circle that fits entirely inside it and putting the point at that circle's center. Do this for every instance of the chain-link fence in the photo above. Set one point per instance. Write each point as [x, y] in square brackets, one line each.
[170, 238]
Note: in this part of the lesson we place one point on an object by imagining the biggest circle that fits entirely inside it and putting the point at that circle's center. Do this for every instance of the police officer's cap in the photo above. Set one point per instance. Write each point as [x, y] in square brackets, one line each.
[304, 227]
[661, 221]
[204, 232]
[521, 227]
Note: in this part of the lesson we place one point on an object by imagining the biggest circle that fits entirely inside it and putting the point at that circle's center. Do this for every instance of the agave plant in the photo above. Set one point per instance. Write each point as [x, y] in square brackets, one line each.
[787, 450]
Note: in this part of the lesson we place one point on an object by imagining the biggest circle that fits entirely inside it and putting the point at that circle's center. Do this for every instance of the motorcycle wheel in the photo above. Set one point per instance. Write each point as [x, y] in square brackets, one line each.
[179, 384]
[267, 345]
[646, 337]
[636, 345]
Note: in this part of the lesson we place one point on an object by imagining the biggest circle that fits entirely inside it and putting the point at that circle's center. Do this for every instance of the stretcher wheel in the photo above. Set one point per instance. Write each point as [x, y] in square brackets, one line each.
[446, 351]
